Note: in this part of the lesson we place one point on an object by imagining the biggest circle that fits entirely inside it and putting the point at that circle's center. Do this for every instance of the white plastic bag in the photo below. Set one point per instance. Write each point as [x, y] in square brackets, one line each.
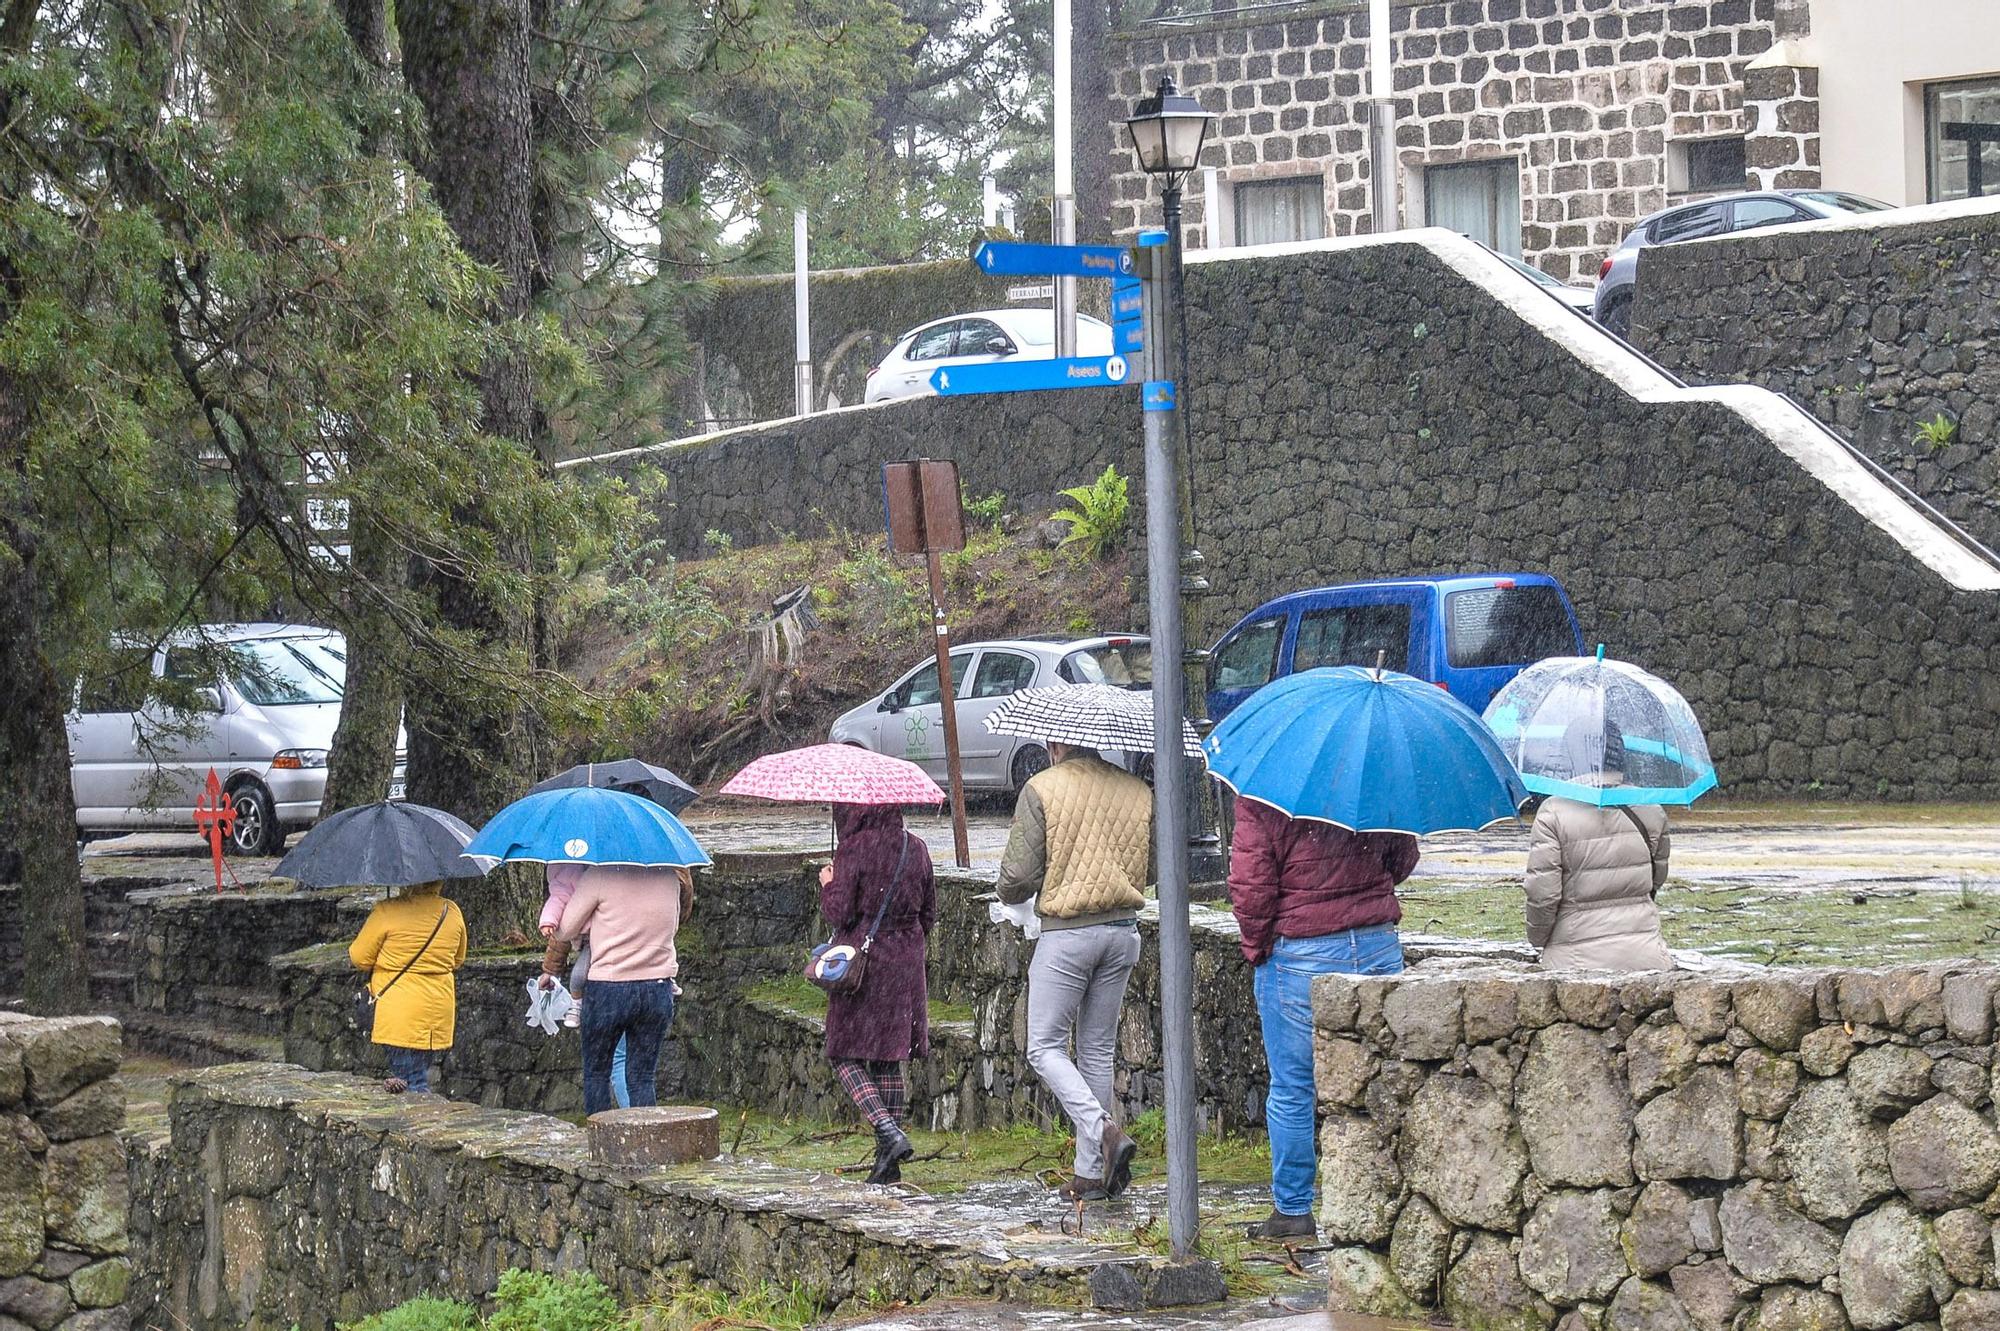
[547, 1007]
[1022, 917]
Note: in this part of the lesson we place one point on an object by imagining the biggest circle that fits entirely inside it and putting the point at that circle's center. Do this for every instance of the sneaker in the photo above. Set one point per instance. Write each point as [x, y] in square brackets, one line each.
[1278, 1225]
[1118, 1152]
[1082, 1188]
[574, 1017]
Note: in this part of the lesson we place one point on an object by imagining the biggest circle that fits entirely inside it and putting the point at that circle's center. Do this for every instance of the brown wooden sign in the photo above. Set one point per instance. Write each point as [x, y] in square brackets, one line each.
[923, 506]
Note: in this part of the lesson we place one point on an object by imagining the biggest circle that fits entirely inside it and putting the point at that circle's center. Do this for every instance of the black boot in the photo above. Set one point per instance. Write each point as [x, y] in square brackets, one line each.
[892, 1148]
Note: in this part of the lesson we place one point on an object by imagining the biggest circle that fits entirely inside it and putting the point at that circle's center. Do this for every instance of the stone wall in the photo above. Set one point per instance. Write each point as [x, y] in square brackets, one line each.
[743, 1034]
[1370, 408]
[278, 1197]
[815, 474]
[207, 954]
[64, 1199]
[1581, 97]
[1875, 326]
[1518, 1150]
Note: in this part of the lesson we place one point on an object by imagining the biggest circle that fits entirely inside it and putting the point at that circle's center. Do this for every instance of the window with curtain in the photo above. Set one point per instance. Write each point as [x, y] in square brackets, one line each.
[1962, 133]
[1270, 212]
[1481, 200]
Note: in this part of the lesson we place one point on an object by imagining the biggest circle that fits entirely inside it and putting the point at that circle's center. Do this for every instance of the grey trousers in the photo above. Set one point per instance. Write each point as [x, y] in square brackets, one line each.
[1076, 985]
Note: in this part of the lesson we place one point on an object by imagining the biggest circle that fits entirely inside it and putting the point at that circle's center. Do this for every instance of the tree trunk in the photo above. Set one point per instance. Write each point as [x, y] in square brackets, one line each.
[35, 794]
[1093, 136]
[34, 740]
[364, 743]
[467, 62]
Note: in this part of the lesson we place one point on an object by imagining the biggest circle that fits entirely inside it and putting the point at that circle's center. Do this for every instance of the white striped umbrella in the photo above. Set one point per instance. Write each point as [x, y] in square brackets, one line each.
[1094, 716]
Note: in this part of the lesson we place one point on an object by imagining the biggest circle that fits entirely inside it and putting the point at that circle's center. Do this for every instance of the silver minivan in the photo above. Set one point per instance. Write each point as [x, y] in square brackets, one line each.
[258, 706]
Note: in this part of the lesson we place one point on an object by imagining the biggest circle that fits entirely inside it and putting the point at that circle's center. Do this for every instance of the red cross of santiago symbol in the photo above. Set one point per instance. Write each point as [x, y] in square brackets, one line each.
[215, 817]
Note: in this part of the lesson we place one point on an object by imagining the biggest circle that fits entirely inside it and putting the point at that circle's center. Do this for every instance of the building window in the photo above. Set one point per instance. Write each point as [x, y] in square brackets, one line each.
[1270, 212]
[1962, 129]
[1480, 200]
[1706, 166]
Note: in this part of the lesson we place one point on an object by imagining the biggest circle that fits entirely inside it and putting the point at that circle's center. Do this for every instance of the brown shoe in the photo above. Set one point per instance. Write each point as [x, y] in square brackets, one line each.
[1118, 1152]
[1080, 1188]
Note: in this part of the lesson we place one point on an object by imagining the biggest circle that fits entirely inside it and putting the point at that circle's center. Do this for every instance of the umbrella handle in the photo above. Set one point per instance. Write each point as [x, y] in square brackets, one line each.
[1381, 660]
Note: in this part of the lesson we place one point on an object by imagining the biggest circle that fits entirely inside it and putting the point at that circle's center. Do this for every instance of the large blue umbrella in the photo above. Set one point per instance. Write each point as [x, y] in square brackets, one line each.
[586, 825]
[1369, 750]
[1601, 731]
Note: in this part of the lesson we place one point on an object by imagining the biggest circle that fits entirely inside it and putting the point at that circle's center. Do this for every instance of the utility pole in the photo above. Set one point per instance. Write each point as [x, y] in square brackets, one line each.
[1381, 121]
[1064, 203]
[802, 366]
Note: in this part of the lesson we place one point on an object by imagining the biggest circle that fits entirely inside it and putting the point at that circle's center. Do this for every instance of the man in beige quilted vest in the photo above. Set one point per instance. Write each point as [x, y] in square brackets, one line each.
[1081, 848]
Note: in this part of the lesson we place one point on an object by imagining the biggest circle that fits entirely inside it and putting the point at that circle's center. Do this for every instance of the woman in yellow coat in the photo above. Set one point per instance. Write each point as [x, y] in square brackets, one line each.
[412, 946]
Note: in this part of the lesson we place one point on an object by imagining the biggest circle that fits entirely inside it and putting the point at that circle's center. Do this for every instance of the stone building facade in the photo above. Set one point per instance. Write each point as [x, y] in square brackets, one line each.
[1542, 128]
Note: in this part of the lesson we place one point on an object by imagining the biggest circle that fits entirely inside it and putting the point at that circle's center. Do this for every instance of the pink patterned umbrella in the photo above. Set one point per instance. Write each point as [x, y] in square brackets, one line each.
[835, 774]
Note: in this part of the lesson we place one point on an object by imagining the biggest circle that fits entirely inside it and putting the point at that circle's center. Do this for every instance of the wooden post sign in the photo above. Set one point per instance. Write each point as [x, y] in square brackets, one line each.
[926, 516]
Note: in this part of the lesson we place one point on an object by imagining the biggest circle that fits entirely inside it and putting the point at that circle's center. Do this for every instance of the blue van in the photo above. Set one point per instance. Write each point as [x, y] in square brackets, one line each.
[1468, 634]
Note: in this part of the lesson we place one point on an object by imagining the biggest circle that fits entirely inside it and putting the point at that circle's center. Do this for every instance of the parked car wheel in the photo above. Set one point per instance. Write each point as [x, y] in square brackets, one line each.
[1618, 315]
[256, 831]
[1028, 760]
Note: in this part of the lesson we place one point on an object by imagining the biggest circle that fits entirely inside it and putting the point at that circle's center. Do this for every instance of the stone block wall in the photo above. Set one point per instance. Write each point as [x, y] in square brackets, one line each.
[64, 1198]
[1874, 325]
[1792, 1151]
[207, 954]
[1582, 96]
[283, 1198]
[1781, 126]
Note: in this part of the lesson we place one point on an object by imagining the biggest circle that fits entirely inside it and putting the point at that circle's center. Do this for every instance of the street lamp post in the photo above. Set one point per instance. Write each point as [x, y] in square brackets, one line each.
[1167, 130]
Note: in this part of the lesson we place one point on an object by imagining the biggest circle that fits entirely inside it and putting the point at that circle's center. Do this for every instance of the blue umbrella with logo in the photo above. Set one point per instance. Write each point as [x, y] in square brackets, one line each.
[1601, 731]
[586, 825]
[1369, 750]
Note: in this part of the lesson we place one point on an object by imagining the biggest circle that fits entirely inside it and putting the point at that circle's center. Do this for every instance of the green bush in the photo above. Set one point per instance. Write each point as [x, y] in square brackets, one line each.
[425, 1314]
[525, 1301]
[1936, 433]
[1097, 522]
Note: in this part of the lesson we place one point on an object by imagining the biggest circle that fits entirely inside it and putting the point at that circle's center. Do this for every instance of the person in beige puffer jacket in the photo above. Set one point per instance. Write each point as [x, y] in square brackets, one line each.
[1081, 849]
[1592, 877]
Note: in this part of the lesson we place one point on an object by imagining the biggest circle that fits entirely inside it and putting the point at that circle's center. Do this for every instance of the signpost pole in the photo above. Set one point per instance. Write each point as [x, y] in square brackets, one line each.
[802, 369]
[1063, 208]
[1170, 769]
[948, 702]
[1381, 121]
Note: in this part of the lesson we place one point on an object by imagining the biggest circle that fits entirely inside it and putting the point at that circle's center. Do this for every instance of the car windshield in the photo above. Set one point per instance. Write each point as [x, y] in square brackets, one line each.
[1847, 203]
[1034, 331]
[1126, 665]
[282, 672]
[1529, 271]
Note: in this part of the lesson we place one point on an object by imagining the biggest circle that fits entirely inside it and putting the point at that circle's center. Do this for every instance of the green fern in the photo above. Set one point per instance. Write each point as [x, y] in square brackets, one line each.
[1937, 432]
[1097, 522]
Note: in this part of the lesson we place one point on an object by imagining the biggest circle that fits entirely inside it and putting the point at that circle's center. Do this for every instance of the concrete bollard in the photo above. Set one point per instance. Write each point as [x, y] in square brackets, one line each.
[652, 1137]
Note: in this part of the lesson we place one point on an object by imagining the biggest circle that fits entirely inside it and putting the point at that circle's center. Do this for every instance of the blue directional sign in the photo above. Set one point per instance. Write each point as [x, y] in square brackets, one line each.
[1022, 376]
[1127, 304]
[1157, 395]
[1128, 338]
[1012, 258]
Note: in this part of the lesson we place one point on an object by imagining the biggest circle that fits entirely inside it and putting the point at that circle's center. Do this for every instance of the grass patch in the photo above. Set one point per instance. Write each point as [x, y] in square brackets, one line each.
[951, 1161]
[1826, 927]
[795, 993]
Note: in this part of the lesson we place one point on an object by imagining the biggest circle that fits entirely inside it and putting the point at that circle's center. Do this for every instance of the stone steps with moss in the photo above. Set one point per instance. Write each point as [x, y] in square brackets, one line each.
[196, 1041]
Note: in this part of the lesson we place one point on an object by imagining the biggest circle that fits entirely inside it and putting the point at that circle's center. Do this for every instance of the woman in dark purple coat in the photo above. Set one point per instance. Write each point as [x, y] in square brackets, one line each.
[870, 1032]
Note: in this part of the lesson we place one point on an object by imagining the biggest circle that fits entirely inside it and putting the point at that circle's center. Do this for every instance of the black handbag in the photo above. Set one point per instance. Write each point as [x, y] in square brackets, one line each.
[840, 968]
[365, 1001]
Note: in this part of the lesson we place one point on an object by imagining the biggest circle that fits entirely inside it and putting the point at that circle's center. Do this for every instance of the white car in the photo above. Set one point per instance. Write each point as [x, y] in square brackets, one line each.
[976, 339]
[266, 699]
[906, 720]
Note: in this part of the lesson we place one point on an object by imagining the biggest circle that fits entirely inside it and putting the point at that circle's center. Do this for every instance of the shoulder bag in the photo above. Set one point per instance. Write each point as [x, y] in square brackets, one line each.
[366, 999]
[838, 967]
[1652, 846]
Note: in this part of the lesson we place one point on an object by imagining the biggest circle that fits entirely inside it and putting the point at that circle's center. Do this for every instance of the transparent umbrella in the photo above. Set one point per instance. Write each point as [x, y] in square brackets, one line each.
[1603, 732]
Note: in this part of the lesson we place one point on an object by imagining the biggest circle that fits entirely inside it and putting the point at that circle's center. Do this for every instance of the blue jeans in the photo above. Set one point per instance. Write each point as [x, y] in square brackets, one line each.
[620, 1091]
[1284, 1007]
[412, 1065]
[638, 1012]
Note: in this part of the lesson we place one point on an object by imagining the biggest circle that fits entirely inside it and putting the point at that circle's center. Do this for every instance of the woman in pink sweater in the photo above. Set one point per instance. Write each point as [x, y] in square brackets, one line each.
[631, 916]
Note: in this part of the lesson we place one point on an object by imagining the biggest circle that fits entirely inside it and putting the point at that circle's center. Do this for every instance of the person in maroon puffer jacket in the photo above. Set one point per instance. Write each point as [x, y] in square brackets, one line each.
[1310, 899]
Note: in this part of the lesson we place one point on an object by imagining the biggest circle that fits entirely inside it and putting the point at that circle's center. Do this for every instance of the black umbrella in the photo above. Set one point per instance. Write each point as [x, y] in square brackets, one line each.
[390, 844]
[629, 775]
